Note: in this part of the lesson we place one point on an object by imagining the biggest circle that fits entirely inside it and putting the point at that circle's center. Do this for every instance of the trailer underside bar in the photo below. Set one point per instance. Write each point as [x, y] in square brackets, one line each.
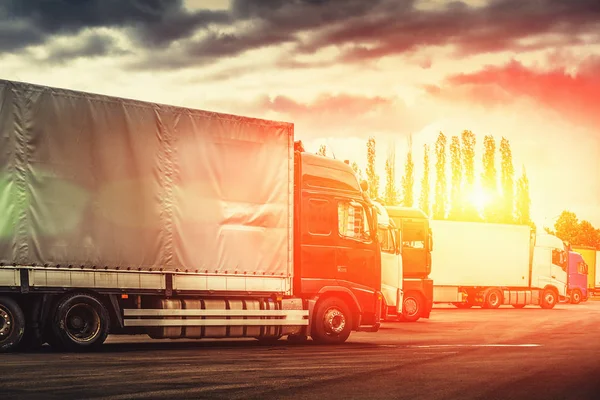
[212, 313]
[215, 322]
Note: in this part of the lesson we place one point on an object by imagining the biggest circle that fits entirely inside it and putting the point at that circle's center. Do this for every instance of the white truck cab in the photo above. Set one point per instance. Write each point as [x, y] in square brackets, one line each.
[549, 267]
[391, 263]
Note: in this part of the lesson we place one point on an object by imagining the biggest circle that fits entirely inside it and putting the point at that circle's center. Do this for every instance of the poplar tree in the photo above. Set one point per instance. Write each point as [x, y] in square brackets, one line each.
[470, 212]
[372, 176]
[456, 203]
[523, 206]
[408, 180]
[508, 191]
[424, 202]
[440, 201]
[489, 179]
[391, 193]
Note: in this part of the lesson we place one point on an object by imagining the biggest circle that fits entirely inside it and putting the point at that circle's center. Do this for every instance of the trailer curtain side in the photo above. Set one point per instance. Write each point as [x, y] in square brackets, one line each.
[96, 181]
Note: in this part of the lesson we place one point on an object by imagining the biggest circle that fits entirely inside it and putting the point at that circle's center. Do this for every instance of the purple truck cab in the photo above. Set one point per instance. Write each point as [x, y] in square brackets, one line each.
[577, 280]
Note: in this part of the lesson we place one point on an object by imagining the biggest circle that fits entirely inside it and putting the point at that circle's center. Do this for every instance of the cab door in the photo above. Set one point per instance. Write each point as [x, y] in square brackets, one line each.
[357, 261]
[391, 273]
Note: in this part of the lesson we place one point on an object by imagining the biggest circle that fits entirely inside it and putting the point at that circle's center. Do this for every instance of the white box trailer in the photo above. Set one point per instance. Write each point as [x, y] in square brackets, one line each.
[493, 264]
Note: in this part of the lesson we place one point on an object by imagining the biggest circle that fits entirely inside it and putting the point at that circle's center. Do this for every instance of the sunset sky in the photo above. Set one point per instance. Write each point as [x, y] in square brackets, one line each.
[344, 70]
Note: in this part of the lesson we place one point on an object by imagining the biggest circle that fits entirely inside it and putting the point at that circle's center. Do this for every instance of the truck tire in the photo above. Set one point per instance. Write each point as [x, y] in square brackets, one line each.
[12, 324]
[576, 296]
[412, 307]
[549, 299]
[80, 322]
[493, 299]
[332, 322]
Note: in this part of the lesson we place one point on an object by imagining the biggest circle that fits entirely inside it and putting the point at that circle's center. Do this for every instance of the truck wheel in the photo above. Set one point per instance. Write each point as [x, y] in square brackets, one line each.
[12, 324]
[549, 299]
[332, 321]
[80, 322]
[576, 297]
[411, 307]
[493, 299]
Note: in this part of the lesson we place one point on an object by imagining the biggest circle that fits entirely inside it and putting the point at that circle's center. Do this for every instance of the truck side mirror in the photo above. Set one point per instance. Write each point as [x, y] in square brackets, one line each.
[398, 237]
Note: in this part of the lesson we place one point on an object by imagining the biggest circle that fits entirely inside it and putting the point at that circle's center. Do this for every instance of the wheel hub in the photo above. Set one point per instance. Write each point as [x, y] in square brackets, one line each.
[493, 299]
[411, 306]
[5, 323]
[335, 321]
[82, 323]
[77, 322]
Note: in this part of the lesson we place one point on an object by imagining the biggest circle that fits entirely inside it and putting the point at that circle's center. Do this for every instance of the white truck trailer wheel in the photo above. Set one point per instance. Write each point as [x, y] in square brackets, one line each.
[332, 322]
[411, 307]
[12, 324]
[493, 298]
[549, 298]
[80, 322]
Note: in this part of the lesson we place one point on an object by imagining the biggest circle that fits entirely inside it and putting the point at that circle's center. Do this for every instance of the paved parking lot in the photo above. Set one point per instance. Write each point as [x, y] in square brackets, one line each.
[457, 354]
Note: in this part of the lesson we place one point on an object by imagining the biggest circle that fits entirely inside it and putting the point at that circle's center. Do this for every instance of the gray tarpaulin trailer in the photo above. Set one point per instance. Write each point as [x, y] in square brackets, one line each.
[164, 220]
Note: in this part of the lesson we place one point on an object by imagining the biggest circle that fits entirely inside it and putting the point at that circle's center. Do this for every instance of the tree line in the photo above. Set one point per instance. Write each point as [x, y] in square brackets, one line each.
[507, 200]
[578, 233]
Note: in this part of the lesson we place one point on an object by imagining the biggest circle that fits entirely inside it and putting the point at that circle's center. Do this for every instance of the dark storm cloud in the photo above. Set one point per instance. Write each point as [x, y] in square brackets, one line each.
[15, 35]
[362, 29]
[497, 26]
[263, 23]
[88, 47]
[365, 30]
[154, 22]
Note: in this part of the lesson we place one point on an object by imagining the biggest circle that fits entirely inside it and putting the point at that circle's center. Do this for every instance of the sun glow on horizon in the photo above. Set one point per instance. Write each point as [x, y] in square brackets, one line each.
[479, 198]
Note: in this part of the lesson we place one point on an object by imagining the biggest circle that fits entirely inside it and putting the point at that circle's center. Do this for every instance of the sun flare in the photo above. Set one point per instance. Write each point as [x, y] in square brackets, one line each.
[479, 198]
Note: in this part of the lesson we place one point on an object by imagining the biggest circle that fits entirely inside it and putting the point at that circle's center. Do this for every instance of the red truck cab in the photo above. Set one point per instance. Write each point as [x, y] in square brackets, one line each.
[337, 258]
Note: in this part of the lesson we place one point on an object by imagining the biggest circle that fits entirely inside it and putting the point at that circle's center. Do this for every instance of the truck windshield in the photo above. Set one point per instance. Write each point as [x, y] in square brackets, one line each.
[414, 234]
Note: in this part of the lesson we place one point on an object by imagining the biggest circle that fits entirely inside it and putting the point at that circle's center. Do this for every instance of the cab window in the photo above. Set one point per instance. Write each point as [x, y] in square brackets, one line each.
[319, 222]
[386, 240]
[559, 258]
[353, 222]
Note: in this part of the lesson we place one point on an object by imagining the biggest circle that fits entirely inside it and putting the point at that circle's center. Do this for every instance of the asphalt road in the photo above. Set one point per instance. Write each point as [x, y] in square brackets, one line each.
[457, 354]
